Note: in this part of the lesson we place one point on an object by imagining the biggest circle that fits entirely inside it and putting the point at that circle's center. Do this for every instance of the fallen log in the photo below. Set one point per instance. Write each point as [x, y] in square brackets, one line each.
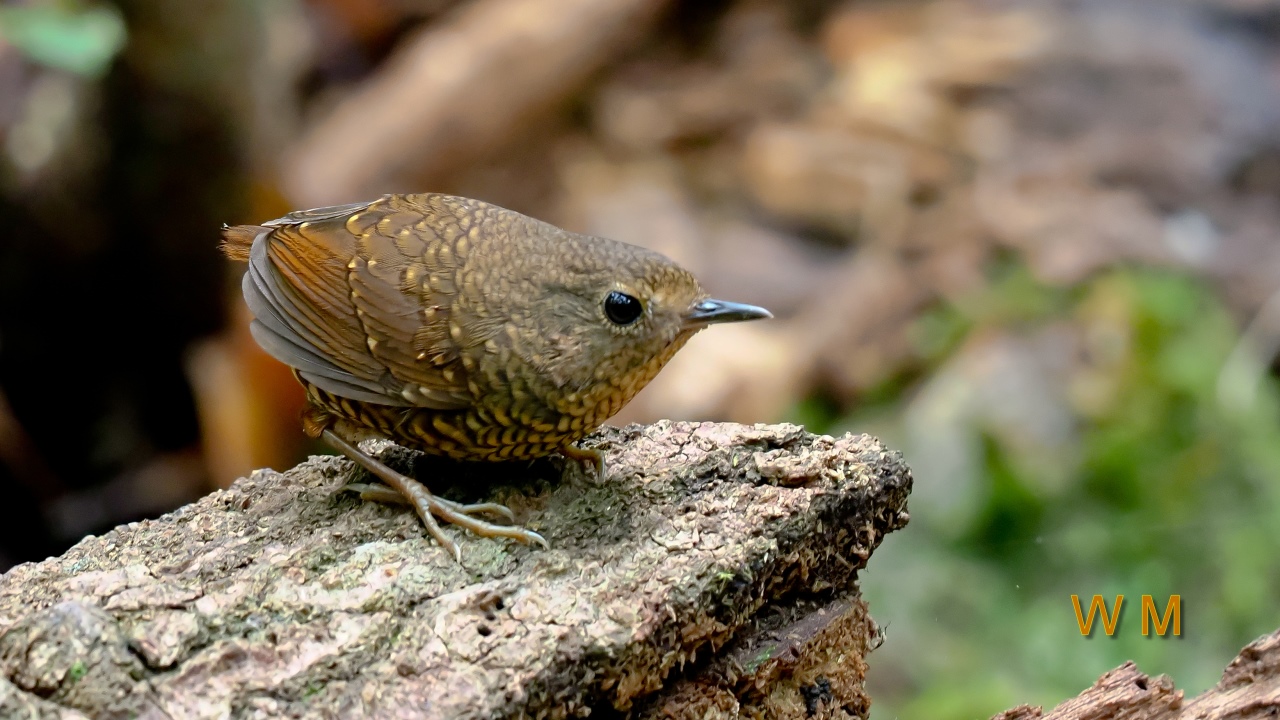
[712, 572]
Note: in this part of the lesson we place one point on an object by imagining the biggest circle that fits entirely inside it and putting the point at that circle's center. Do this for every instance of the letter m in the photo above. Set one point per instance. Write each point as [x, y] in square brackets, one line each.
[1151, 617]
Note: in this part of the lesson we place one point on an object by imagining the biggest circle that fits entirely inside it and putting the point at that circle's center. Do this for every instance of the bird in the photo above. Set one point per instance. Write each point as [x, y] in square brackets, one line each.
[462, 329]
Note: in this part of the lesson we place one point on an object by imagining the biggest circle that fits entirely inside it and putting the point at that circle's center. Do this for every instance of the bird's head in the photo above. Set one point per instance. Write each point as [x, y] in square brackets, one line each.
[610, 315]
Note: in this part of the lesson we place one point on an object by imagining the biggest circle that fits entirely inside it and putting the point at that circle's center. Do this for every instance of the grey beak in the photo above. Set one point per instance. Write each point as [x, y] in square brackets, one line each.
[721, 311]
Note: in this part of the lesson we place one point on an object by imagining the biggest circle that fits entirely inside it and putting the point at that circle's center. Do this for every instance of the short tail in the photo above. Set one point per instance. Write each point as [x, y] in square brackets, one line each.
[238, 239]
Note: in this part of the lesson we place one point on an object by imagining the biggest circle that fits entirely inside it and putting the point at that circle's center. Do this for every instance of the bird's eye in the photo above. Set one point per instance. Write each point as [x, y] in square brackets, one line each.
[621, 308]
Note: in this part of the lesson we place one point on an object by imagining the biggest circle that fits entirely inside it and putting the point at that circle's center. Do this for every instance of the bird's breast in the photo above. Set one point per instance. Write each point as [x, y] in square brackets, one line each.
[476, 433]
[516, 418]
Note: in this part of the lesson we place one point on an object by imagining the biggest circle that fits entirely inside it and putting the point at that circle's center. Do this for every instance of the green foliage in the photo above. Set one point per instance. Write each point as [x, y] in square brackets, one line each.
[1013, 296]
[1161, 489]
[64, 35]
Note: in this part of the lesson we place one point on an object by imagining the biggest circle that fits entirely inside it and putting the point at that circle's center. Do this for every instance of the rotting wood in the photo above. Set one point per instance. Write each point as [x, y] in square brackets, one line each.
[714, 556]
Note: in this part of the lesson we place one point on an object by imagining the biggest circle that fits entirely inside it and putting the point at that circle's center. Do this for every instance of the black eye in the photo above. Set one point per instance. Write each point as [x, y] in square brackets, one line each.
[621, 308]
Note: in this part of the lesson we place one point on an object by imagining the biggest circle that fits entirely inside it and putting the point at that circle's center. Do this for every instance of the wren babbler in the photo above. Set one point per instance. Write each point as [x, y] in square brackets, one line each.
[462, 329]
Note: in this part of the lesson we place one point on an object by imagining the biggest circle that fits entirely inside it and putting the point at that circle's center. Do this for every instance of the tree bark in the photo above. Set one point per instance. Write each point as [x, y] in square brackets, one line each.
[711, 573]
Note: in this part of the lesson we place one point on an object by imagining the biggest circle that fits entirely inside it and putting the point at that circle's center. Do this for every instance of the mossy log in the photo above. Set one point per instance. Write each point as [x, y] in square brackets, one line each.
[711, 573]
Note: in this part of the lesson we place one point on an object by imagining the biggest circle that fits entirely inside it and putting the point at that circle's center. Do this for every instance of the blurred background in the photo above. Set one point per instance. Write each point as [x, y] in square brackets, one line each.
[1031, 243]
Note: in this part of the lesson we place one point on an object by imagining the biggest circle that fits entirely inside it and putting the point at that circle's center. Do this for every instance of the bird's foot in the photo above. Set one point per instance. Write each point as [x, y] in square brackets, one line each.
[402, 489]
[588, 458]
[390, 496]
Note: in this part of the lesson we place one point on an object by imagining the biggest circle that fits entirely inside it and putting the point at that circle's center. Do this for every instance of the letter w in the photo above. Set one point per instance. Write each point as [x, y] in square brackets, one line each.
[1097, 606]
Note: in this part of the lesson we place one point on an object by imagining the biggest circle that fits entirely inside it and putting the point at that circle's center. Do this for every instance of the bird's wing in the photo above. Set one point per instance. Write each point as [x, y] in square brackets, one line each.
[358, 299]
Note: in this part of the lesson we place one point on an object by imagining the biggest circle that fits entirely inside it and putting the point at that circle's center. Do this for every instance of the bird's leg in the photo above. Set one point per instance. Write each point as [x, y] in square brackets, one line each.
[590, 458]
[428, 506]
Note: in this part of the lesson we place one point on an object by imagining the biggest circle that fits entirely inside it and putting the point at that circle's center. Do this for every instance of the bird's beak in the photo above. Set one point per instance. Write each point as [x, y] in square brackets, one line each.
[707, 312]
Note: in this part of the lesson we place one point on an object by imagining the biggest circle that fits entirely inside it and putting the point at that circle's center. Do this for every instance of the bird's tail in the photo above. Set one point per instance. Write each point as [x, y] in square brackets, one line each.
[238, 239]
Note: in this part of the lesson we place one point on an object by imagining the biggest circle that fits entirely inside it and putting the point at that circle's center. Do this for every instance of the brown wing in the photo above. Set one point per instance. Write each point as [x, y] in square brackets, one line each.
[357, 298]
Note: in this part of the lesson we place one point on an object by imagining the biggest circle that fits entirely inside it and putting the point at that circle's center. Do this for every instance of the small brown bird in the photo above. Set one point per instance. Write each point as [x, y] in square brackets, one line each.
[462, 329]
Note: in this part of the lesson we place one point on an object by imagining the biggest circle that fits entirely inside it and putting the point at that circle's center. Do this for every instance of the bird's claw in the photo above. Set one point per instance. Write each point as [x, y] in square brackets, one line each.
[384, 494]
[404, 490]
[588, 457]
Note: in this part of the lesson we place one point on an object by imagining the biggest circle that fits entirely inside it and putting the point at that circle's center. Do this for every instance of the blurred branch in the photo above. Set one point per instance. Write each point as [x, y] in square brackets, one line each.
[1248, 365]
[457, 88]
[1250, 688]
